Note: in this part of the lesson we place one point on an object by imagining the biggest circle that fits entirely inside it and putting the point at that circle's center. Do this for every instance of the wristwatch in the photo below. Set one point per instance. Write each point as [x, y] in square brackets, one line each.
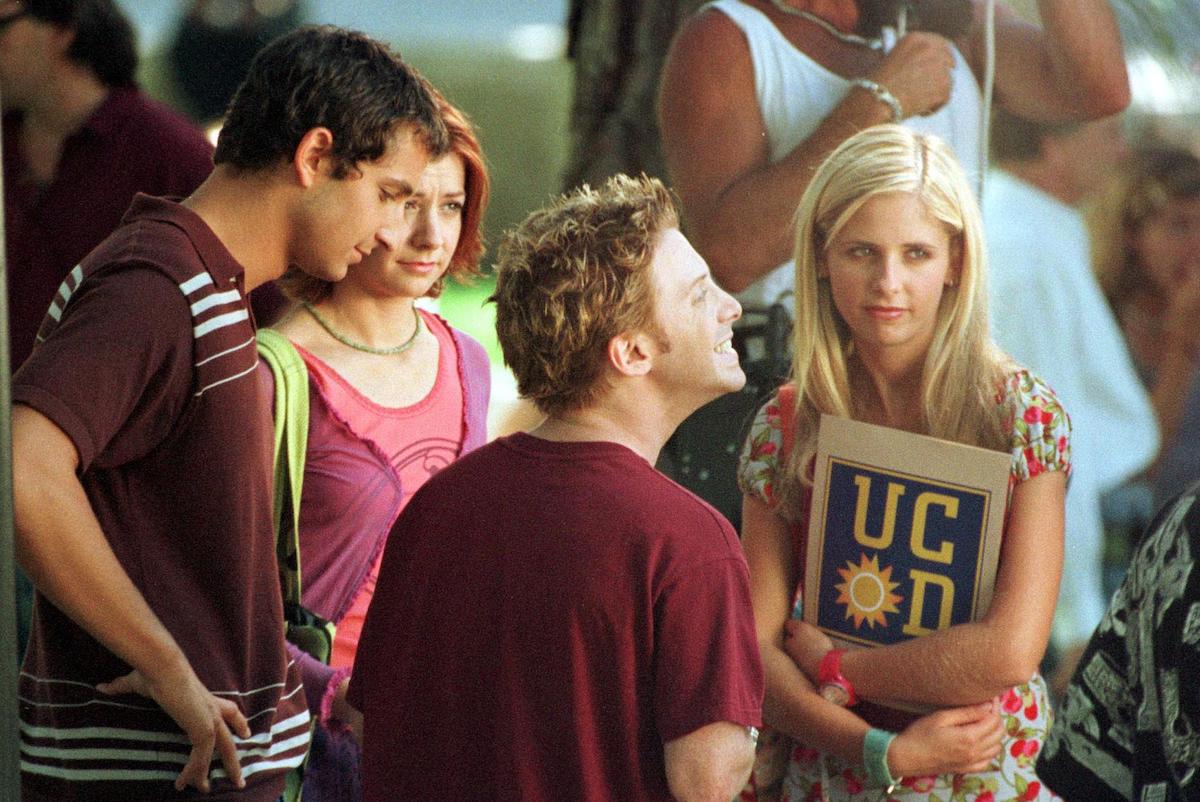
[832, 684]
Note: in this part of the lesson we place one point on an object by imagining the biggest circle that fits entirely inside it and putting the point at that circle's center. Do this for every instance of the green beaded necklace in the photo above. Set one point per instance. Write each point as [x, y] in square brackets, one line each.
[357, 346]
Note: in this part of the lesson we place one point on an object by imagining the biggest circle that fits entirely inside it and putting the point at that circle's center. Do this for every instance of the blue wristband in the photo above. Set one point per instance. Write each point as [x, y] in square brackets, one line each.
[875, 749]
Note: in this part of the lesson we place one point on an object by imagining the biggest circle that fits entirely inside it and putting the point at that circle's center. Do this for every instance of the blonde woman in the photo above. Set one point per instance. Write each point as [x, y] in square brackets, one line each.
[891, 329]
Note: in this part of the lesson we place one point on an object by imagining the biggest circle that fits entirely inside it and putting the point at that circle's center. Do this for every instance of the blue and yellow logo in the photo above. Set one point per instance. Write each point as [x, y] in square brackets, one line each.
[901, 556]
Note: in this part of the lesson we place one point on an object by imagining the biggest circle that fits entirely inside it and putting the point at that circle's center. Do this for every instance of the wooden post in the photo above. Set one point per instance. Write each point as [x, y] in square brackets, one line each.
[10, 774]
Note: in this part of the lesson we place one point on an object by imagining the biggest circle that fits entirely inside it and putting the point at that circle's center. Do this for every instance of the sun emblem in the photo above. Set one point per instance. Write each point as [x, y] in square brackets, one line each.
[867, 592]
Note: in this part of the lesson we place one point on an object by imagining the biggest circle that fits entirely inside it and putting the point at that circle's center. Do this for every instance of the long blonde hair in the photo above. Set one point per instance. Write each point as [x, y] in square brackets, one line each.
[962, 368]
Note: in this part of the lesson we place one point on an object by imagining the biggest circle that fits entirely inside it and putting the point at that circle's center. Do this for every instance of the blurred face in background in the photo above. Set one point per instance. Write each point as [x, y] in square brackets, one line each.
[1168, 245]
[28, 51]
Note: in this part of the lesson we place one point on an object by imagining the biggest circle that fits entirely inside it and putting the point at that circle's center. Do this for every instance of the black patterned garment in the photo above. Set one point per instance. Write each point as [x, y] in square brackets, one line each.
[1128, 727]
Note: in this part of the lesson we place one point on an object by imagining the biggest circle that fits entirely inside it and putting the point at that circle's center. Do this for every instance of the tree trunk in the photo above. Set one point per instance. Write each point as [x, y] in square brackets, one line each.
[618, 47]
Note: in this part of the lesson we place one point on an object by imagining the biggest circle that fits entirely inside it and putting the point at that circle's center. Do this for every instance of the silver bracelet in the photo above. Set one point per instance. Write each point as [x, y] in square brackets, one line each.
[752, 734]
[882, 94]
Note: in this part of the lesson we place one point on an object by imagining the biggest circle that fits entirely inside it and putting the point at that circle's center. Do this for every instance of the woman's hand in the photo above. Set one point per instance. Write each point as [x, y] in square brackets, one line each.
[806, 645]
[343, 711]
[957, 740]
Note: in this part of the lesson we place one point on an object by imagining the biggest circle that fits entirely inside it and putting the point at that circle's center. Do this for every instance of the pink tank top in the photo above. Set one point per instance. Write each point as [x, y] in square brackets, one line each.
[419, 440]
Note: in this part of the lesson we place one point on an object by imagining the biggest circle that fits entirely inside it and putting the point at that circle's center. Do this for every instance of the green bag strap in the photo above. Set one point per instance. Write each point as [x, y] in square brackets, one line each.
[291, 447]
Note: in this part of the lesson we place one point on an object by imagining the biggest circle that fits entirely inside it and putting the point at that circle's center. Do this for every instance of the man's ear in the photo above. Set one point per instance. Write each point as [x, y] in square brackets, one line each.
[630, 354]
[313, 156]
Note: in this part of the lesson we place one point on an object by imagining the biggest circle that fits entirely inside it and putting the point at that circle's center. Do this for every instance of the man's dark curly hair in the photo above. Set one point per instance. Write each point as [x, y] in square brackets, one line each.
[323, 76]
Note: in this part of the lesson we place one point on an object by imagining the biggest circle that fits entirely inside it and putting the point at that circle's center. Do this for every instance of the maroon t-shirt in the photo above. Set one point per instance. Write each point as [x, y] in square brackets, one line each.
[130, 144]
[148, 365]
[547, 616]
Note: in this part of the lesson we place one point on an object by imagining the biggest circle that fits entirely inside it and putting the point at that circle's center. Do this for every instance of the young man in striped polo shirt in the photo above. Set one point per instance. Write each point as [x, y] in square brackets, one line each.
[142, 440]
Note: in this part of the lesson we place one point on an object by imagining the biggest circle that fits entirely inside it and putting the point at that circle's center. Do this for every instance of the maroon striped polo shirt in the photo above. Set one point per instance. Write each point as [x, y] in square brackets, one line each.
[146, 362]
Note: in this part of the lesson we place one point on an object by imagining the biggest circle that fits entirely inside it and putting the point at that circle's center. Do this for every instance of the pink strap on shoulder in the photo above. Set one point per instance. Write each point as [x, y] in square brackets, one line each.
[787, 421]
[787, 417]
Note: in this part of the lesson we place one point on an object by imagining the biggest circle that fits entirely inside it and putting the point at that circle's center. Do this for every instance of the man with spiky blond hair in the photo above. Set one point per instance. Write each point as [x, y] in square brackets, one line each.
[555, 619]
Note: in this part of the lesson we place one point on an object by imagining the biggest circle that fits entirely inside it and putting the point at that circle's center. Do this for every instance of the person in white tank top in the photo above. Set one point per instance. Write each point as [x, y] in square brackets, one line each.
[753, 96]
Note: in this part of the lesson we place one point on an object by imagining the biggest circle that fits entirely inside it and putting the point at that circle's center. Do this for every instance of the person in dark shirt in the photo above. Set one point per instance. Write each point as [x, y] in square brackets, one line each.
[555, 619]
[80, 140]
[1127, 729]
[142, 441]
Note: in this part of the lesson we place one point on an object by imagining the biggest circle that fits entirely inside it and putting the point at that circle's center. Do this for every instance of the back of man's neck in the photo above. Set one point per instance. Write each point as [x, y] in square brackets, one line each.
[242, 210]
[596, 425]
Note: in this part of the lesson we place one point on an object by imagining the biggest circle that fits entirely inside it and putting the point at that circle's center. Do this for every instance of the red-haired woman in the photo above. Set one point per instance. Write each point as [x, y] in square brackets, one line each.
[396, 395]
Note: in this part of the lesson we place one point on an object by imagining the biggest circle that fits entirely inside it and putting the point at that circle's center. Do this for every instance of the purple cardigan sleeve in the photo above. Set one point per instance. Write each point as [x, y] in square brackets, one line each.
[475, 373]
[320, 681]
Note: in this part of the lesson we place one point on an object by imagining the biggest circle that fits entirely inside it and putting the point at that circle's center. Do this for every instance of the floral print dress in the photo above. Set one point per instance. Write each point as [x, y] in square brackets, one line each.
[1040, 442]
